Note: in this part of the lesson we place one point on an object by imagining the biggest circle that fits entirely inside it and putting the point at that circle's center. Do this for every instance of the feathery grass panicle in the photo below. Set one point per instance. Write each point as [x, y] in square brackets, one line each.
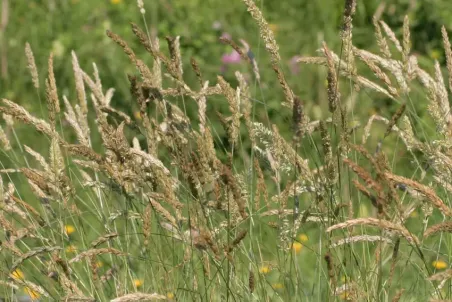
[406, 43]
[440, 227]
[381, 40]
[384, 224]
[96, 251]
[272, 48]
[448, 52]
[139, 297]
[395, 118]
[32, 65]
[429, 193]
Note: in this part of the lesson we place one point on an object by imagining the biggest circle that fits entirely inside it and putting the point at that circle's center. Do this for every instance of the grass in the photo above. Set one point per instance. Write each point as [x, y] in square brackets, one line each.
[232, 187]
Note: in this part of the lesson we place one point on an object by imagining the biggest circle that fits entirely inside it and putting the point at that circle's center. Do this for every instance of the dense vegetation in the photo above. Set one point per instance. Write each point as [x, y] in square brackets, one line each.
[248, 152]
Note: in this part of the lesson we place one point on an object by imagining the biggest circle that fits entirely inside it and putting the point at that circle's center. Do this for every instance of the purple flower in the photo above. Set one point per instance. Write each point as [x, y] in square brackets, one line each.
[294, 65]
[232, 58]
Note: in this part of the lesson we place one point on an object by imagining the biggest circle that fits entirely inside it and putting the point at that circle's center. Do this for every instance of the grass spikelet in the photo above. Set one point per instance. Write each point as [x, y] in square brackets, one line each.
[79, 84]
[381, 40]
[95, 252]
[272, 48]
[440, 227]
[391, 35]
[20, 113]
[265, 32]
[330, 268]
[380, 223]
[251, 282]
[103, 239]
[53, 103]
[162, 211]
[240, 236]
[349, 11]
[398, 295]
[360, 238]
[6, 145]
[448, 51]
[333, 94]
[174, 49]
[394, 119]
[233, 99]
[139, 297]
[32, 65]
[230, 181]
[429, 194]
[298, 119]
[237, 48]
[406, 42]
[32, 286]
[197, 70]
[33, 253]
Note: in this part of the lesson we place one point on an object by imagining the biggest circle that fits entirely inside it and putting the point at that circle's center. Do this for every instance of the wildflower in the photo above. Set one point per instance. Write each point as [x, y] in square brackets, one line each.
[69, 229]
[34, 295]
[294, 66]
[137, 115]
[265, 269]
[439, 264]
[17, 275]
[435, 54]
[138, 282]
[273, 27]
[344, 295]
[216, 25]
[232, 58]
[303, 237]
[296, 247]
[414, 214]
[170, 295]
[99, 264]
[71, 249]
[115, 1]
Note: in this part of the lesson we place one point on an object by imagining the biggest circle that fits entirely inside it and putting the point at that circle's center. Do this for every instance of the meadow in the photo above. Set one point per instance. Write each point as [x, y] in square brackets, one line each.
[197, 151]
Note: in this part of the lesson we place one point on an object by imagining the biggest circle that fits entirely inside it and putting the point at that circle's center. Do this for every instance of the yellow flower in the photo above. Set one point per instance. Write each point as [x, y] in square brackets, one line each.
[435, 54]
[71, 249]
[274, 28]
[344, 295]
[264, 269]
[17, 275]
[303, 237]
[115, 1]
[296, 247]
[137, 115]
[69, 229]
[34, 295]
[170, 295]
[414, 214]
[439, 264]
[99, 264]
[138, 282]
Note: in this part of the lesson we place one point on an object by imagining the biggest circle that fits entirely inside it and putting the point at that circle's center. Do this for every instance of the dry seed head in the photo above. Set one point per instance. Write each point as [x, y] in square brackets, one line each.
[139, 297]
[378, 223]
[448, 51]
[32, 65]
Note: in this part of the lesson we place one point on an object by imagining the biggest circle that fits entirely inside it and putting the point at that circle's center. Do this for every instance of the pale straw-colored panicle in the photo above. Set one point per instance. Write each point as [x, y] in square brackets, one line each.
[448, 52]
[39, 158]
[32, 65]
[140, 5]
[360, 238]
[429, 194]
[140, 297]
[406, 42]
[381, 40]
[391, 35]
[6, 145]
[384, 224]
[79, 84]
